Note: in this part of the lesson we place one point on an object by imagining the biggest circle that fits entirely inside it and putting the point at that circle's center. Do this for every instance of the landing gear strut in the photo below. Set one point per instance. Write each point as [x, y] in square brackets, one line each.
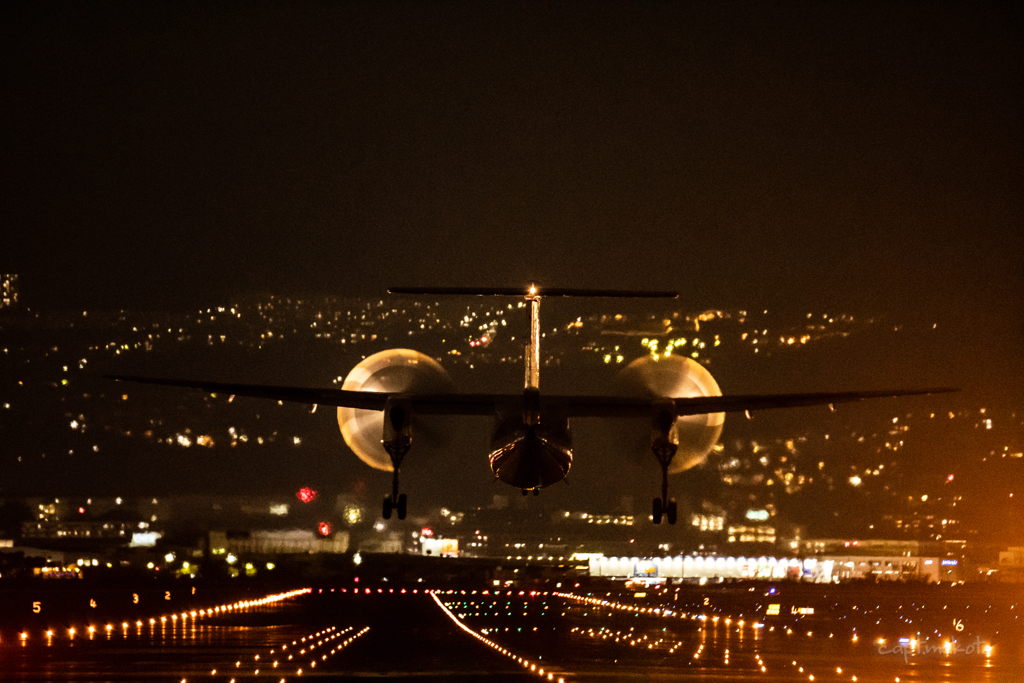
[396, 441]
[395, 501]
[664, 450]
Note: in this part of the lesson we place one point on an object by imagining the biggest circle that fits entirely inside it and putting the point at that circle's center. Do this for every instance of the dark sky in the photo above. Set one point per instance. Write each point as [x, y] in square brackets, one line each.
[840, 157]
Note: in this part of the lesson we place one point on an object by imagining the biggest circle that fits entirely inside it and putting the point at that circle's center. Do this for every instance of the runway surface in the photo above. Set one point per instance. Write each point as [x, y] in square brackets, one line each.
[384, 633]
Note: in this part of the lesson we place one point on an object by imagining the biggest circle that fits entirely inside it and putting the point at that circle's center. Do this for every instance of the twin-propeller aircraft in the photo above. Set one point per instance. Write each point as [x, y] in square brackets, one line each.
[531, 443]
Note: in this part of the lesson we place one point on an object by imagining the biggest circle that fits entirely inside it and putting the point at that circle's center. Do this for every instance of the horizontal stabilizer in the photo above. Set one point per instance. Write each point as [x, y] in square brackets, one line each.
[535, 291]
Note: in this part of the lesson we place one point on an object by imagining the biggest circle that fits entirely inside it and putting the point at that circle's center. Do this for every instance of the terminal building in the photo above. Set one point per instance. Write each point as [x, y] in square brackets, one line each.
[822, 569]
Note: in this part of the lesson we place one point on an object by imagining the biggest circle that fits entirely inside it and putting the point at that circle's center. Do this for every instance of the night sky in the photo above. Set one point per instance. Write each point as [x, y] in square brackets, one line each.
[839, 157]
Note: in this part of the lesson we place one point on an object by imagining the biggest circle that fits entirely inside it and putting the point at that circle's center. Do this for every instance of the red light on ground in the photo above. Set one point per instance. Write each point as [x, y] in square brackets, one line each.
[81, 511]
[324, 528]
[306, 494]
[426, 532]
[949, 478]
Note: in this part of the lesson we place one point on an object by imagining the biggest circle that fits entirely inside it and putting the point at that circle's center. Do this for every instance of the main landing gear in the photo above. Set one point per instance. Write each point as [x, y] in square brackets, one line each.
[664, 450]
[396, 501]
[396, 441]
[536, 491]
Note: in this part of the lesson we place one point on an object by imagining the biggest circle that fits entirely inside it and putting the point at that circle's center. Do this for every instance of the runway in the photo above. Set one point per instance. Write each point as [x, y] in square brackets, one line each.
[384, 633]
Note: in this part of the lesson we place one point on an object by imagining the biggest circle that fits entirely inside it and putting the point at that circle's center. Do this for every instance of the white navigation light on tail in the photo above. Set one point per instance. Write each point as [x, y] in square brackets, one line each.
[390, 400]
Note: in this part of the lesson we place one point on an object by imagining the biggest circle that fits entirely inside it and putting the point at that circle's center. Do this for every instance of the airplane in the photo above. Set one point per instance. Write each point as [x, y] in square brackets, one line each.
[531, 442]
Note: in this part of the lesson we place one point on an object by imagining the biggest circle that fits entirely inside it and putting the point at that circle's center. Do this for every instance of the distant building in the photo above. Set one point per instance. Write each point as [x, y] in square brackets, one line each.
[283, 542]
[760, 533]
[440, 547]
[891, 568]
[1011, 565]
[845, 546]
[830, 569]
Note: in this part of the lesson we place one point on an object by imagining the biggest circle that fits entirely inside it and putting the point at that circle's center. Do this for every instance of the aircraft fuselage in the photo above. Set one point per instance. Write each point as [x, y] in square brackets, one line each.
[529, 451]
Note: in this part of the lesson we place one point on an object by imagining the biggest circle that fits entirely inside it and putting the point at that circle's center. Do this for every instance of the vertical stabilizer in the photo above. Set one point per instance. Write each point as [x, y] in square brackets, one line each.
[532, 355]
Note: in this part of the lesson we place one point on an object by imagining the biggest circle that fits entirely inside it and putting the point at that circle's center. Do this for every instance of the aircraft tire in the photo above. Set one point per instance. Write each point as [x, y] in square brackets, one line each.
[671, 511]
[401, 505]
[657, 511]
[387, 507]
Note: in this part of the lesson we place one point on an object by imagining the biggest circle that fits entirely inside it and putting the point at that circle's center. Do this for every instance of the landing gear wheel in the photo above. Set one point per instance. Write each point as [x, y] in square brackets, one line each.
[401, 506]
[536, 492]
[656, 510]
[388, 507]
[671, 512]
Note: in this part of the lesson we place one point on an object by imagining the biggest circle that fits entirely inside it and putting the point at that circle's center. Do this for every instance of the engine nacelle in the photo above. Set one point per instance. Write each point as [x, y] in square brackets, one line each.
[677, 377]
[394, 370]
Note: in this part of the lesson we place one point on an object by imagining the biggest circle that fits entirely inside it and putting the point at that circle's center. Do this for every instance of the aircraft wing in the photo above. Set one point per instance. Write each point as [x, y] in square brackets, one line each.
[365, 400]
[424, 404]
[486, 404]
[607, 406]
